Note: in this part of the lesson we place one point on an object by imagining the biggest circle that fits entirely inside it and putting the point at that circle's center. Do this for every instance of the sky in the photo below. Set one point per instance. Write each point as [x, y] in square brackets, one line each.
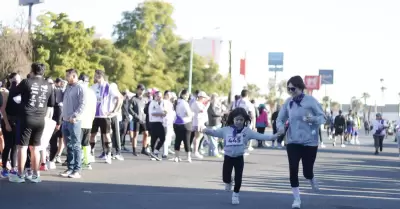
[358, 39]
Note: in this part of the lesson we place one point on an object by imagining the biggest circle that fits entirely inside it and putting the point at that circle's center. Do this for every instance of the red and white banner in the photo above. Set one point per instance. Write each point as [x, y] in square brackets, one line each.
[313, 82]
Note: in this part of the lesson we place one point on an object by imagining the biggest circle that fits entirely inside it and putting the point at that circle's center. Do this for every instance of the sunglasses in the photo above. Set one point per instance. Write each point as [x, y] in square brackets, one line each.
[291, 89]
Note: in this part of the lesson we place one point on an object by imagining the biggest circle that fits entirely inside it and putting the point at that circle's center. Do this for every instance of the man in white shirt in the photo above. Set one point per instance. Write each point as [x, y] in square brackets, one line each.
[88, 114]
[104, 112]
[156, 119]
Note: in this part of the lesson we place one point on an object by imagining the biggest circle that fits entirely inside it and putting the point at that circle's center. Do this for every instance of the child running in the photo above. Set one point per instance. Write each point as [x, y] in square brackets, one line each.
[236, 134]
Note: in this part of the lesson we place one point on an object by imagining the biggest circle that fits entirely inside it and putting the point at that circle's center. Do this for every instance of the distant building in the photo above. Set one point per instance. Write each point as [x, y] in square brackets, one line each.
[389, 112]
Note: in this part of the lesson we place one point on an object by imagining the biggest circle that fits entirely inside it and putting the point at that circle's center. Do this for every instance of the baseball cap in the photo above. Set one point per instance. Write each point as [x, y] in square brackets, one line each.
[202, 94]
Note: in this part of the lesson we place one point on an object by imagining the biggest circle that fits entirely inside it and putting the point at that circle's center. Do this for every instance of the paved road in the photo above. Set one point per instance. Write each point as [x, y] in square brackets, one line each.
[350, 178]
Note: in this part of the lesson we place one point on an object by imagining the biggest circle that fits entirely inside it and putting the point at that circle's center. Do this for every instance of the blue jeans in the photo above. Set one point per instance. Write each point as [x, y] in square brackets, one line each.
[72, 137]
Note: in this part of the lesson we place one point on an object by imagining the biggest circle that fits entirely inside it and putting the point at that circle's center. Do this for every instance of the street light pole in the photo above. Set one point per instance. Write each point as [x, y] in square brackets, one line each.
[191, 66]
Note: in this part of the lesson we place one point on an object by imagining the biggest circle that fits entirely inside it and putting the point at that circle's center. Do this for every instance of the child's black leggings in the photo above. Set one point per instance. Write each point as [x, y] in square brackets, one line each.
[229, 164]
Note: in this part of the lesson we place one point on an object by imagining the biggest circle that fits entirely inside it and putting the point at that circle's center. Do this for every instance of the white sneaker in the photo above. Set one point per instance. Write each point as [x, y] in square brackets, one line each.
[91, 159]
[119, 157]
[352, 141]
[189, 159]
[279, 146]
[107, 159]
[343, 146]
[198, 155]
[358, 142]
[235, 198]
[228, 187]
[52, 165]
[250, 148]
[296, 203]
[177, 159]
[314, 185]
[322, 145]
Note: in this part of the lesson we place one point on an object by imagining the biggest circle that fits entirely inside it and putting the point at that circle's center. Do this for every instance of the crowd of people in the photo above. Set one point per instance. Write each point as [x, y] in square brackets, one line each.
[41, 116]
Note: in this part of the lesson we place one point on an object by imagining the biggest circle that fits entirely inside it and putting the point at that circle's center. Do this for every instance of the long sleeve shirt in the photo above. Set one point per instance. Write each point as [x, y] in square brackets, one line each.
[73, 102]
[301, 131]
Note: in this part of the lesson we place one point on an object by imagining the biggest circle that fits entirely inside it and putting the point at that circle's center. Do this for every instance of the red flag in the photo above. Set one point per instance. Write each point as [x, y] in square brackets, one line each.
[243, 67]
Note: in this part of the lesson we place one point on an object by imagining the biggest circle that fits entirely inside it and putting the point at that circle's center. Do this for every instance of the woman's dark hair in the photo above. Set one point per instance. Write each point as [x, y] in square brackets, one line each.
[236, 112]
[297, 82]
[183, 92]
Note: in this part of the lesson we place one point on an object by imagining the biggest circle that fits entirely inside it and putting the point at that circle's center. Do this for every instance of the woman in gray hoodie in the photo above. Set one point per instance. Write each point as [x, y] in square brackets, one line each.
[305, 116]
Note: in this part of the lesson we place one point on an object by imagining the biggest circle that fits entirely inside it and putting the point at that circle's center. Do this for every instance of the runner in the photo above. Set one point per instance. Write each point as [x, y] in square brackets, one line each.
[56, 141]
[136, 110]
[88, 114]
[105, 95]
[305, 116]
[168, 123]
[72, 113]
[116, 104]
[339, 124]
[236, 135]
[10, 110]
[156, 119]
[378, 132]
[183, 125]
[36, 95]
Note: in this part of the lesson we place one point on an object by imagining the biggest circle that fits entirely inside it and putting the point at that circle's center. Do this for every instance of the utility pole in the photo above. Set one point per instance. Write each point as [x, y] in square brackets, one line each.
[230, 71]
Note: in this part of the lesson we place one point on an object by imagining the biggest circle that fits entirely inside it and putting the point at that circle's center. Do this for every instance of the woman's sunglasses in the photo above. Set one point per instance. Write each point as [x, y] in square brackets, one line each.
[291, 89]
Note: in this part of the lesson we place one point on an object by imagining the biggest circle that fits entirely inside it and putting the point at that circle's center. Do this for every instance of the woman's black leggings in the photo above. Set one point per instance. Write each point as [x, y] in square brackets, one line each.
[157, 132]
[238, 164]
[10, 145]
[307, 155]
[182, 134]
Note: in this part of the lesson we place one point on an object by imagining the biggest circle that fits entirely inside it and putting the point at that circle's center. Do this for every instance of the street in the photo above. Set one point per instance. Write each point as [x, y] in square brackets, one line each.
[349, 178]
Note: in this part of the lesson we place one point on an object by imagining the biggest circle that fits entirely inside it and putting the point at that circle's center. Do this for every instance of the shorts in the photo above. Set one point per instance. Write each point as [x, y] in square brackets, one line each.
[349, 130]
[354, 132]
[30, 131]
[131, 126]
[338, 131]
[85, 136]
[103, 123]
[139, 127]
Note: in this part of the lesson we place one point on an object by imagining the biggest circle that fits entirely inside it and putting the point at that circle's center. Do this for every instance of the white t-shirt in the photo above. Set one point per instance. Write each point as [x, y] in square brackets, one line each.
[105, 95]
[243, 103]
[200, 116]
[183, 112]
[169, 118]
[155, 107]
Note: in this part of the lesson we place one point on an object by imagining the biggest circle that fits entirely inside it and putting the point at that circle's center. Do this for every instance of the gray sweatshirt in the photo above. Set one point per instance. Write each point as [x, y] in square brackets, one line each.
[73, 102]
[235, 144]
[300, 131]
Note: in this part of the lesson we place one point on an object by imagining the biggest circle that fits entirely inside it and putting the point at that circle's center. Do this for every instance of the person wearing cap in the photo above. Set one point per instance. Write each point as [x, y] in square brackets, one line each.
[88, 115]
[105, 110]
[136, 110]
[379, 127]
[200, 118]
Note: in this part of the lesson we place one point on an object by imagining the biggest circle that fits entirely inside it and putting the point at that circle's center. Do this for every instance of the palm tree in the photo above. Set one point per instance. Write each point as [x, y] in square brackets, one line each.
[335, 105]
[365, 96]
[356, 104]
[325, 102]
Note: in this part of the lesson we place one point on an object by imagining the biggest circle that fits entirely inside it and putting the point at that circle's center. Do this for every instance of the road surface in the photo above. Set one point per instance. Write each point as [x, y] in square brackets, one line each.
[350, 178]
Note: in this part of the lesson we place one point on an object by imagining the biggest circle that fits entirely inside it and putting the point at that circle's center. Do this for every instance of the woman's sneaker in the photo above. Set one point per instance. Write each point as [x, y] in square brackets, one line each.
[228, 187]
[235, 198]
[17, 179]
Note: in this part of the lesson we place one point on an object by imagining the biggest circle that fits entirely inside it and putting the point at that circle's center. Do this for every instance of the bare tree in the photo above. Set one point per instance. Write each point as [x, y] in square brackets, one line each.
[15, 48]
